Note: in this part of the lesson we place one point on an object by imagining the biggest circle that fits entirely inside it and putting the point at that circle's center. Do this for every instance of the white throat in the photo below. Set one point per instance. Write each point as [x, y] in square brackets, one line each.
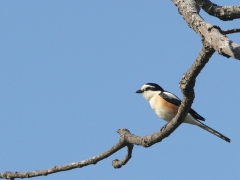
[149, 94]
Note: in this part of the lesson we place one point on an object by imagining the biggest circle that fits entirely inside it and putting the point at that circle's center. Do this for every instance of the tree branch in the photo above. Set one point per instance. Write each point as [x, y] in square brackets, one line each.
[119, 163]
[230, 31]
[209, 33]
[126, 138]
[224, 13]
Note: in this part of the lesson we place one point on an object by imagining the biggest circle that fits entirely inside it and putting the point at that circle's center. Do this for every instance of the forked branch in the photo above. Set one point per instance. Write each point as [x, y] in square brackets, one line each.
[126, 138]
[210, 33]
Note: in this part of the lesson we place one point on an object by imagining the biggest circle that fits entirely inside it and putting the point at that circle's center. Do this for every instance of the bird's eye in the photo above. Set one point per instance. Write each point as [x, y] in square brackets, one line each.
[148, 88]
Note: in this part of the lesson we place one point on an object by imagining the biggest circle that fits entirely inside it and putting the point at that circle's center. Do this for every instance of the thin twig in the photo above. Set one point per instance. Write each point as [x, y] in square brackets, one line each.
[231, 31]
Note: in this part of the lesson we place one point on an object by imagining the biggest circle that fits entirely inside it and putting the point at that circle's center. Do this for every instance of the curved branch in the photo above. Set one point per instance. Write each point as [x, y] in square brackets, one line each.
[126, 138]
[224, 13]
[66, 167]
[119, 163]
[209, 33]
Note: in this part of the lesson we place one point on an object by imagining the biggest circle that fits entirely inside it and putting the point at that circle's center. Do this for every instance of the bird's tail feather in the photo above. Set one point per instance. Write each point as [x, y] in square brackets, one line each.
[218, 134]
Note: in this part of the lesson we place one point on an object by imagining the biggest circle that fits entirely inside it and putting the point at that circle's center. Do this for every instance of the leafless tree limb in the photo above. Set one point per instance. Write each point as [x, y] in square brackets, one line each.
[224, 13]
[213, 39]
[126, 138]
[119, 163]
[211, 34]
[231, 31]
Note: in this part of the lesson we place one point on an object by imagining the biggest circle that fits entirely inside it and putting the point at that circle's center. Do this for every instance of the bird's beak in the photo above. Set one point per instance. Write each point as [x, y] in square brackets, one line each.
[139, 91]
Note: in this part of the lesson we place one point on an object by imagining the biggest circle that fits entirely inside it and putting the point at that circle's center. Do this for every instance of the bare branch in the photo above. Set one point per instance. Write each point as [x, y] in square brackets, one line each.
[55, 169]
[211, 34]
[224, 13]
[126, 138]
[119, 163]
[230, 31]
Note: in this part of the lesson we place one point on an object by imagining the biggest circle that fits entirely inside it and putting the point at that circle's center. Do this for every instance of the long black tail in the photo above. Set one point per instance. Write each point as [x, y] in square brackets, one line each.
[218, 134]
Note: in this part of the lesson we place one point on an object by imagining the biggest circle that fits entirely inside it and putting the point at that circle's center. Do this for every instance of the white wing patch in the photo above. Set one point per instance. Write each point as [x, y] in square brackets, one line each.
[171, 96]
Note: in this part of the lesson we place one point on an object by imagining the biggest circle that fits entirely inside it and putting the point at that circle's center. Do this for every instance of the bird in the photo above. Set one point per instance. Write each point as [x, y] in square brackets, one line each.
[166, 104]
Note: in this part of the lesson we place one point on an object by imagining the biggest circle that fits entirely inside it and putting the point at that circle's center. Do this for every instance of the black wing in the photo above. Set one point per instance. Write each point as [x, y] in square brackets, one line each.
[196, 115]
[169, 97]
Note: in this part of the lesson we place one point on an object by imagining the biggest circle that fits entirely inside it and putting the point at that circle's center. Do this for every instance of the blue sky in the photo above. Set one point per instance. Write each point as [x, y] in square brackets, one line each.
[69, 71]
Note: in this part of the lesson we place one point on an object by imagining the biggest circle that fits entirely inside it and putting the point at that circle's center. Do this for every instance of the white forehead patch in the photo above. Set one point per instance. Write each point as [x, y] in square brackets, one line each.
[145, 86]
